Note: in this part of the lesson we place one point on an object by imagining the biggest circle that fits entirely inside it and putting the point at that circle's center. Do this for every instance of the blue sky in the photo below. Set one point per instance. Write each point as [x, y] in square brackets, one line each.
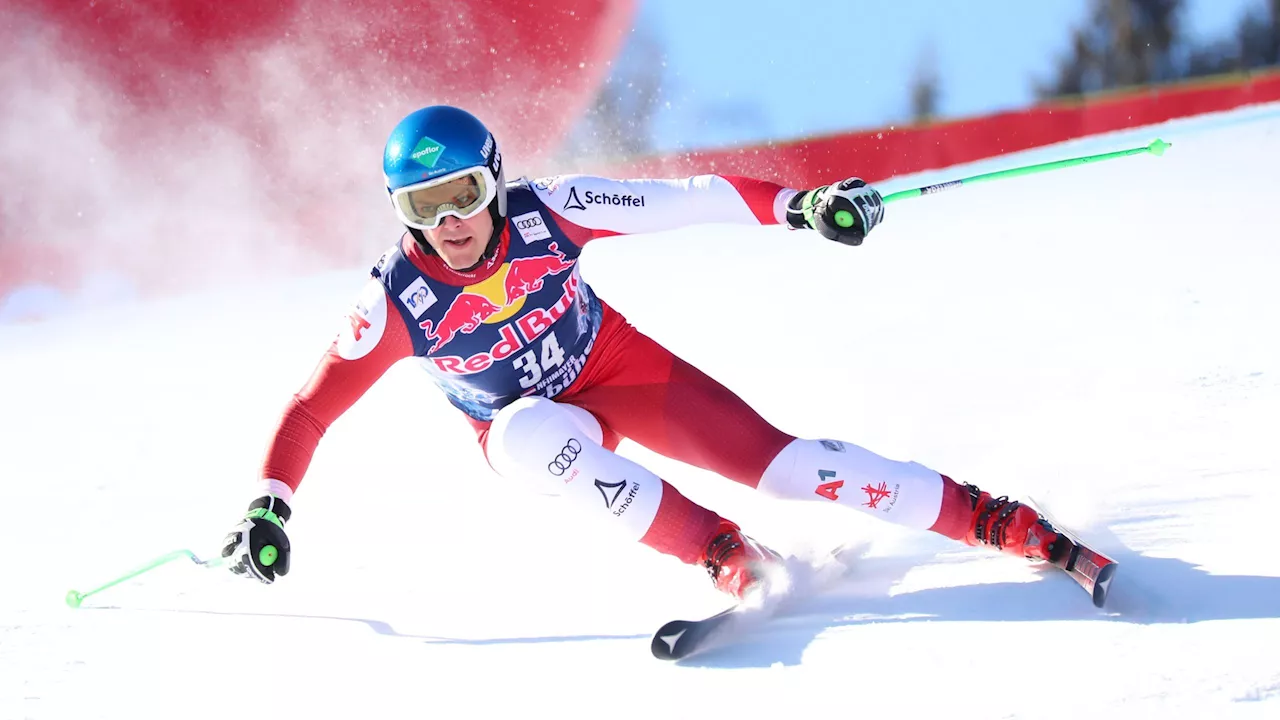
[737, 72]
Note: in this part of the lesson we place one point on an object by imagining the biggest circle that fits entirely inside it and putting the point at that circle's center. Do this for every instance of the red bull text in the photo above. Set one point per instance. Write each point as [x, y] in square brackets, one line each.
[512, 336]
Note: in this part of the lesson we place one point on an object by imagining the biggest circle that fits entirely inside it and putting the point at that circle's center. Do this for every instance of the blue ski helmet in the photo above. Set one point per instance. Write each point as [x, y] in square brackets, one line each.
[437, 145]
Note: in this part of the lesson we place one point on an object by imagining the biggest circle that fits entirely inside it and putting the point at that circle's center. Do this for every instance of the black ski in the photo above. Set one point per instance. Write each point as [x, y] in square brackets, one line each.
[1091, 570]
[681, 638]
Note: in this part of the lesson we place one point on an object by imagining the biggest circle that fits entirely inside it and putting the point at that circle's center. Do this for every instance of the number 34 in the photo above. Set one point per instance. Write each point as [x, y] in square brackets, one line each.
[552, 357]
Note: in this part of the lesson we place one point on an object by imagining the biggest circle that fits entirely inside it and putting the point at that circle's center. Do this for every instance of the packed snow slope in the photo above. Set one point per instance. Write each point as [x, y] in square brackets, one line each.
[1103, 338]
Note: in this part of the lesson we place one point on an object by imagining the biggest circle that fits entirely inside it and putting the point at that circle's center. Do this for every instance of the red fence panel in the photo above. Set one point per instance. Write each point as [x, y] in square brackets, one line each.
[884, 153]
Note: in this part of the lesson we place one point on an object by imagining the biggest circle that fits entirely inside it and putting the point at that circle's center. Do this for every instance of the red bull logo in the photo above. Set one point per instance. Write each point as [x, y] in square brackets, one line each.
[497, 298]
[513, 336]
[524, 275]
[465, 314]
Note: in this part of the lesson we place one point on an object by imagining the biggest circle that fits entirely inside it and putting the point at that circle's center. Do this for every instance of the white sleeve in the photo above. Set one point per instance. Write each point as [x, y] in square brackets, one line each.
[647, 205]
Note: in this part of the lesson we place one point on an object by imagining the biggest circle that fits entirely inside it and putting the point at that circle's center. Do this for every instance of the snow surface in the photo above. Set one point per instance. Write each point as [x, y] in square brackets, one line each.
[1104, 338]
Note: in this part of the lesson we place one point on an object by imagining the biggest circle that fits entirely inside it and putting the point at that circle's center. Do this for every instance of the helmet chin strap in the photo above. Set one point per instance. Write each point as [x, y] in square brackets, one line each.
[495, 238]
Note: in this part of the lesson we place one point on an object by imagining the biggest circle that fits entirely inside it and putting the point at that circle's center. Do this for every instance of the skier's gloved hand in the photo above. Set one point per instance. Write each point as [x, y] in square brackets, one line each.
[844, 212]
[258, 547]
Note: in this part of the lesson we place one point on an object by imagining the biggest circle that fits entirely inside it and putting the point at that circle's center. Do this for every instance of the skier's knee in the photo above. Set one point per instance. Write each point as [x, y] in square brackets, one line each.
[556, 449]
[902, 492]
[531, 432]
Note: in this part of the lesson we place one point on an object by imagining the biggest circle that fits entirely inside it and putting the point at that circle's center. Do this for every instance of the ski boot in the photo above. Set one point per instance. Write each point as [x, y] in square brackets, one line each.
[737, 564]
[1014, 528]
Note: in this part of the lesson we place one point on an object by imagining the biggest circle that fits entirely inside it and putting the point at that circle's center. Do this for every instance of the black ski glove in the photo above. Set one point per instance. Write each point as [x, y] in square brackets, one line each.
[845, 212]
[258, 546]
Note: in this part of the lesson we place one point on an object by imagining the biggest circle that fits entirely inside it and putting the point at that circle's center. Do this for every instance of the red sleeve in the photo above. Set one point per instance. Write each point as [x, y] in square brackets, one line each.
[576, 233]
[335, 385]
[587, 207]
[759, 196]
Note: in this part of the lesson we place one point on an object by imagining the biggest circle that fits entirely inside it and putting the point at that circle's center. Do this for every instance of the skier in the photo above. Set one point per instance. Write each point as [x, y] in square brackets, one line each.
[484, 289]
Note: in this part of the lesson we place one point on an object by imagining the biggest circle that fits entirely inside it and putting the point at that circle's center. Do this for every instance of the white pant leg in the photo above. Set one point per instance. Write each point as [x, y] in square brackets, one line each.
[556, 447]
[904, 493]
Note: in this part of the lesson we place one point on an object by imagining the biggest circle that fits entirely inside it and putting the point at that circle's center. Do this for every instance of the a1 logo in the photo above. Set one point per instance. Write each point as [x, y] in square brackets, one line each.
[363, 326]
[828, 487]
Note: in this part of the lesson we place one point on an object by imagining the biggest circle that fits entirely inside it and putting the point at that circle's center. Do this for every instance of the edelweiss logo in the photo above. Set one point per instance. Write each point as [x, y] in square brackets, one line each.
[573, 203]
[875, 494]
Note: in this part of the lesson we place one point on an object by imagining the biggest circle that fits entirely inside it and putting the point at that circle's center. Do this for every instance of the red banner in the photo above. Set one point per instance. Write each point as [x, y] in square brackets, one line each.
[168, 141]
[163, 139]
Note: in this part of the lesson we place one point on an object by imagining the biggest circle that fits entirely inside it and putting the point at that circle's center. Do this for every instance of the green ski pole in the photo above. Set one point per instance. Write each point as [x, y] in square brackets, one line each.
[74, 597]
[1156, 147]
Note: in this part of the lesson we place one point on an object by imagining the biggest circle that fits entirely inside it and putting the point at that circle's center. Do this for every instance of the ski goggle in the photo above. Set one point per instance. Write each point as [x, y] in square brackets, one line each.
[463, 194]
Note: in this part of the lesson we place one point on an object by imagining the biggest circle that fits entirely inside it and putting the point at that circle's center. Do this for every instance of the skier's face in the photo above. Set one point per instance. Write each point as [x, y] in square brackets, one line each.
[460, 243]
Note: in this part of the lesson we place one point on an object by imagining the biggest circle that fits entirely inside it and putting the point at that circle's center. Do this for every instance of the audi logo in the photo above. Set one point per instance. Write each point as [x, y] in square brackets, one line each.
[560, 464]
[527, 223]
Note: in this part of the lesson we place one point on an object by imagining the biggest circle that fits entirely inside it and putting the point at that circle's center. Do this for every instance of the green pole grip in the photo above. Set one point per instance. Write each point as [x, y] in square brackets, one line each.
[74, 598]
[1156, 147]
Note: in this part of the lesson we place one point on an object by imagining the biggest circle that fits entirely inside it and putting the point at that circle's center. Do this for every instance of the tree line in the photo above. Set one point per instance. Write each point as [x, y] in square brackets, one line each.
[1136, 42]
[1120, 43]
